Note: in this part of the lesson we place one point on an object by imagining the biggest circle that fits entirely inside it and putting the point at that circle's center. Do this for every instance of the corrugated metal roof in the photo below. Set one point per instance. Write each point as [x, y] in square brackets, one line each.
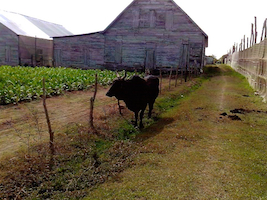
[32, 27]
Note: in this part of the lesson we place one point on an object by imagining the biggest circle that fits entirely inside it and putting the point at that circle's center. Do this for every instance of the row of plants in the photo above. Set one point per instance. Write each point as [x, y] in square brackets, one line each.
[25, 83]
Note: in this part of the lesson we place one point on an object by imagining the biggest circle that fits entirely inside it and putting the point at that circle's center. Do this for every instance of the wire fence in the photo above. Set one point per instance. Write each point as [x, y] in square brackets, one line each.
[252, 63]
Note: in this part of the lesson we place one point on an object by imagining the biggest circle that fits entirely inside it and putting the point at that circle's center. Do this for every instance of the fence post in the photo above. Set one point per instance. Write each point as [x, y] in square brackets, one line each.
[170, 78]
[182, 71]
[256, 33]
[92, 100]
[176, 76]
[160, 85]
[51, 133]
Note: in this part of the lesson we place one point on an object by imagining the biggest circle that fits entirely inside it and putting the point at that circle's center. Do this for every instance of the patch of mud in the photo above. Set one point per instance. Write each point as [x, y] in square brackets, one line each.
[240, 111]
[224, 114]
[243, 111]
[234, 117]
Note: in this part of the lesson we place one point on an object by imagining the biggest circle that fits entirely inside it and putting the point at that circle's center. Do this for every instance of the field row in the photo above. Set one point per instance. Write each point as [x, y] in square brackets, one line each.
[25, 83]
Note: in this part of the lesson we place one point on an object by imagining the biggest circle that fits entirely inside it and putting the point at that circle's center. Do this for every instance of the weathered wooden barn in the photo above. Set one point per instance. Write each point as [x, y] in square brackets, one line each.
[27, 41]
[147, 34]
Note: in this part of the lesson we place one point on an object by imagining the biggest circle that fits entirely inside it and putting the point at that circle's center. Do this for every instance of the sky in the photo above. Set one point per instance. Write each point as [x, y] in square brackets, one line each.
[225, 22]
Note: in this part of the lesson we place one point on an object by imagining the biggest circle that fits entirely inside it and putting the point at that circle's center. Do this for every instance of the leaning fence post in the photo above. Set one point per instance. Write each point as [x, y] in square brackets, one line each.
[92, 100]
[51, 133]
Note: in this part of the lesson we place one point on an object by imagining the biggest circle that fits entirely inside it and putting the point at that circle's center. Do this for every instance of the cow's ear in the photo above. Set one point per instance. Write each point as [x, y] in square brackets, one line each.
[125, 74]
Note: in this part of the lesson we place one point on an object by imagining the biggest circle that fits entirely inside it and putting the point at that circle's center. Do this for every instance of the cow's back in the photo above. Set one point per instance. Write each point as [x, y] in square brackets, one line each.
[136, 98]
[152, 83]
[137, 84]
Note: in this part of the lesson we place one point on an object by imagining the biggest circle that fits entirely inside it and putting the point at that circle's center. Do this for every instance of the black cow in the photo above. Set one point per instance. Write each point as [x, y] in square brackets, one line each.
[136, 93]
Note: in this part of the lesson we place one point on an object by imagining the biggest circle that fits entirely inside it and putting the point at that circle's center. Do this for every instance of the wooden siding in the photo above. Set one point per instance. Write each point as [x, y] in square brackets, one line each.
[147, 34]
[82, 51]
[154, 30]
[8, 47]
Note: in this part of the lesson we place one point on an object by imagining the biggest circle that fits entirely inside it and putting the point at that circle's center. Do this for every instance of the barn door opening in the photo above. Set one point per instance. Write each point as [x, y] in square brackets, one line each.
[150, 59]
[39, 57]
[185, 59]
[118, 53]
[57, 54]
[86, 54]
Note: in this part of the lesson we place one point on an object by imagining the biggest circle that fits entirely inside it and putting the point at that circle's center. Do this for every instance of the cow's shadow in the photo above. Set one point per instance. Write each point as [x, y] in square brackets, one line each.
[153, 130]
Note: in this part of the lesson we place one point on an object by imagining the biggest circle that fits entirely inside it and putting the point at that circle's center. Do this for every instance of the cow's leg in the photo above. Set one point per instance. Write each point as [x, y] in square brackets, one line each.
[141, 119]
[136, 118]
[150, 104]
[119, 107]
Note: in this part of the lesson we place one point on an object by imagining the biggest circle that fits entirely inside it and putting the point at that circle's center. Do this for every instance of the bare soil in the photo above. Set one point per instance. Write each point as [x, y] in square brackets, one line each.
[26, 120]
[24, 124]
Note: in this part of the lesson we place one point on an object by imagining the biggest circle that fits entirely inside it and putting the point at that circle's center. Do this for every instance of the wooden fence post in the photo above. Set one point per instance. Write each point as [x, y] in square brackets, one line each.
[256, 33]
[176, 76]
[51, 133]
[252, 35]
[160, 85]
[92, 100]
[170, 78]
[182, 77]
[263, 36]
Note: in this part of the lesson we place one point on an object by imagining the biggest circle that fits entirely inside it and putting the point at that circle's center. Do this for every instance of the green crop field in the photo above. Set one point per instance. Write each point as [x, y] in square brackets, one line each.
[25, 83]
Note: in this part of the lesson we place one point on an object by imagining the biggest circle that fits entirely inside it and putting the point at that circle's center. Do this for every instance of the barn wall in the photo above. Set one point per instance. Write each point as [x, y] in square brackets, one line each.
[35, 51]
[81, 51]
[152, 34]
[148, 34]
[8, 47]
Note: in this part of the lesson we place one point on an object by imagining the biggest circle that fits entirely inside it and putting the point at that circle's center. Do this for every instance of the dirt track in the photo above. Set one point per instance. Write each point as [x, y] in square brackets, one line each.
[200, 150]
[211, 146]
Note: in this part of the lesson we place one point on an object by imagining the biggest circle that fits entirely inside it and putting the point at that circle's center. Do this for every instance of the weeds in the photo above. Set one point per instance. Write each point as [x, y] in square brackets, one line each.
[200, 154]
[81, 162]
[82, 159]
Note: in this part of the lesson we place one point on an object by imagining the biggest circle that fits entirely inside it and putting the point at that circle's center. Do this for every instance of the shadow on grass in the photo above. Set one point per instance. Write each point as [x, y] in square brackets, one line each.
[154, 129]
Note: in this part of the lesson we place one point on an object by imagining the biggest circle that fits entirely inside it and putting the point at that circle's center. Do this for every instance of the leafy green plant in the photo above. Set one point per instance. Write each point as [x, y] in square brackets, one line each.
[25, 83]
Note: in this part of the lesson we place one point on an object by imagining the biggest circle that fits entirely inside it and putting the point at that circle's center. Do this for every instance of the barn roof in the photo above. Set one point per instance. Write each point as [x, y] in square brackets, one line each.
[32, 27]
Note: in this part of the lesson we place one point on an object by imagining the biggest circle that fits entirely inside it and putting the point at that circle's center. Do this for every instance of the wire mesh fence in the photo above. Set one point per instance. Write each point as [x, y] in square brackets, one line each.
[252, 63]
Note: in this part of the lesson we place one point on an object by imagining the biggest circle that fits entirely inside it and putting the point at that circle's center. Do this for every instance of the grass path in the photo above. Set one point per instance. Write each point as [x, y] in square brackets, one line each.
[195, 152]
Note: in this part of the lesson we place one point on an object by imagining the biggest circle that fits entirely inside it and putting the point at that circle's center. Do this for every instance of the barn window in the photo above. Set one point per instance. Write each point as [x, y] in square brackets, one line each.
[136, 18]
[152, 19]
[169, 20]
[144, 19]
[160, 19]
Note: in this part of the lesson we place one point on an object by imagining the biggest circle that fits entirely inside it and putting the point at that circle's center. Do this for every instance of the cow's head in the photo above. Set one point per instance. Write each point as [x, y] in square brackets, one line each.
[117, 87]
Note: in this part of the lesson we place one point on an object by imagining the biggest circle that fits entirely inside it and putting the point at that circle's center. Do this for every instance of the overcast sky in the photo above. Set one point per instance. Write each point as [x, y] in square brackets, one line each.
[225, 22]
